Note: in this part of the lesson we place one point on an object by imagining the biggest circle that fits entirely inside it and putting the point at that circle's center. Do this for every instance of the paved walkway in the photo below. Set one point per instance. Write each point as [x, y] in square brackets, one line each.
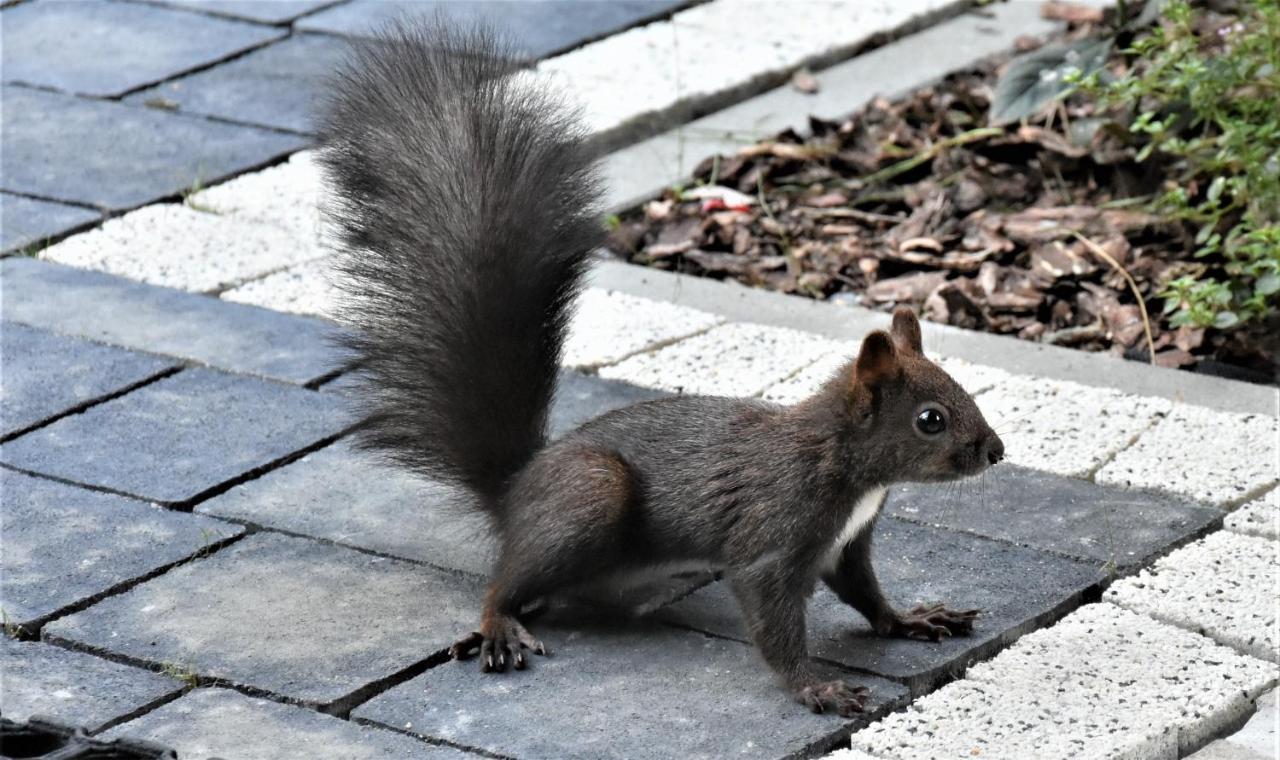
[194, 555]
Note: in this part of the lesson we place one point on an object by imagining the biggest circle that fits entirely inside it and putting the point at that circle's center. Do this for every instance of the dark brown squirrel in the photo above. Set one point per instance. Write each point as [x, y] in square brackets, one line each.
[463, 194]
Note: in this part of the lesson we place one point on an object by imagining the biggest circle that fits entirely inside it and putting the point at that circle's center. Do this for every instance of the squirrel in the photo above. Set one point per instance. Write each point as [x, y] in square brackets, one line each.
[463, 197]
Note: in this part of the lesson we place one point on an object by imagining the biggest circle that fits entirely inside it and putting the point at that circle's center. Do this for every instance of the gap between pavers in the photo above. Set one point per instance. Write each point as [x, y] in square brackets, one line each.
[75, 688]
[1259, 739]
[1260, 517]
[1224, 586]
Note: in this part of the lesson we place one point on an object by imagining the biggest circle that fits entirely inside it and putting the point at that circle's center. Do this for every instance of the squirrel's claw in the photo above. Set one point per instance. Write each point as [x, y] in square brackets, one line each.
[933, 622]
[504, 646]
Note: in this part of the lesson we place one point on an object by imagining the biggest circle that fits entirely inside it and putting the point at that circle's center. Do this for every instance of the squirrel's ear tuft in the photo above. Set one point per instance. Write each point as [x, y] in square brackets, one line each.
[906, 330]
[877, 361]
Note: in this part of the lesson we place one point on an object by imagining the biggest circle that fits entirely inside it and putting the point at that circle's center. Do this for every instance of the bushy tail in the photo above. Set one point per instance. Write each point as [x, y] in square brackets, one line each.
[464, 202]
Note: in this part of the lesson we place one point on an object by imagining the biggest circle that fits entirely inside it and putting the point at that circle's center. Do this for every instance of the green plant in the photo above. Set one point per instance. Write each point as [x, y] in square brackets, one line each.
[1203, 101]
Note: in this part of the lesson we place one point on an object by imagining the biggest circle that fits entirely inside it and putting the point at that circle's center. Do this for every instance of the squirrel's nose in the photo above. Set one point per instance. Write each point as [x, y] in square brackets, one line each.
[994, 449]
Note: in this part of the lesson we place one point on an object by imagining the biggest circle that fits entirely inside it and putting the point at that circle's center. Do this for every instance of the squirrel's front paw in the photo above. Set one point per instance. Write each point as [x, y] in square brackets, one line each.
[932, 622]
[839, 696]
[501, 643]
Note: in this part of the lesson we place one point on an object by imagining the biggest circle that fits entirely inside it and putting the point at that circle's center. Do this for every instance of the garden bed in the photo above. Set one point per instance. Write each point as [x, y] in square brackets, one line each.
[1045, 229]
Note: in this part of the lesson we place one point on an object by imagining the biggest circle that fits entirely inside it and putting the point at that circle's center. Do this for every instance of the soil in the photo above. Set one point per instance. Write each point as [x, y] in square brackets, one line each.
[1032, 230]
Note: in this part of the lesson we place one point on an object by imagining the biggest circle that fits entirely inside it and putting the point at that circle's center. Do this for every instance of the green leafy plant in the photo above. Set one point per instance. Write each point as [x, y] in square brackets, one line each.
[1203, 97]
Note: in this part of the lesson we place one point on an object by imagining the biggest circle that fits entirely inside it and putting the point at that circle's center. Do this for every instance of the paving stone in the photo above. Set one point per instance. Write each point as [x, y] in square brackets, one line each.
[302, 289]
[538, 29]
[292, 616]
[1223, 586]
[1112, 527]
[63, 45]
[176, 438]
[72, 687]
[27, 222]
[266, 11]
[48, 374]
[220, 723]
[1103, 682]
[173, 245]
[116, 156]
[657, 73]
[1064, 427]
[277, 86]
[610, 326]
[1017, 589]
[349, 497]
[618, 690]
[65, 546]
[1259, 739]
[1210, 456]
[974, 378]
[1260, 517]
[122, 312]
[286, 195]
[735, 359]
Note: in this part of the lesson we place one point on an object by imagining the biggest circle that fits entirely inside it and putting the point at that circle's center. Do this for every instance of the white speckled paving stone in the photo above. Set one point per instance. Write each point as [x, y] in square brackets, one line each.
[609, 326]
[1064, 427]
[672, 64]
[850, 754]
[974, 378]
[1258, 518]
[222, 723]
[1103, 682]
[807, 381]
[1223, 586]
[735, 359]
[304, 289]
[74, 688]
[1208, 455]
[287, 195]
[176, 246]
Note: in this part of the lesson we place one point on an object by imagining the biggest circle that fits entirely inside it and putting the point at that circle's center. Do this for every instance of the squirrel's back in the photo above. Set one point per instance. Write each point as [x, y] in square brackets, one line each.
[463, 198]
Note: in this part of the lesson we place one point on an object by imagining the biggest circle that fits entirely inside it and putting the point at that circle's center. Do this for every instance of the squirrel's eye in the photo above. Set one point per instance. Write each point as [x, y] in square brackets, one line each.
[931, 422]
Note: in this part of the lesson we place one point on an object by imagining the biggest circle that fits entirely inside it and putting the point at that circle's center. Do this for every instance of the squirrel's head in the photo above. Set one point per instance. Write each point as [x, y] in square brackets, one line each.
[920, 423]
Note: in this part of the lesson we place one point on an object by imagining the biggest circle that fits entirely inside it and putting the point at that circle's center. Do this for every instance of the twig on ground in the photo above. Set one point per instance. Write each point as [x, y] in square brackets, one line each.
[1096, 250]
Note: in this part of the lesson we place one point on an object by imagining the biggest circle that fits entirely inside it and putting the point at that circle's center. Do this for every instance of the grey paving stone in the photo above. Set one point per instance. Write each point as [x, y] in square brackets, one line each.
[45, 374]
[347, 496]
[1017, 589]
[64, 45]
[266, 11]
[116, 156]
[174, 439]
[1107, 526]
[72, 687]
[292, 616]
[581, 397]
[222, 723]
[619, 690]
[65, 546]
[115, 310]
[276, 86]
[26, 222]
[539, 29]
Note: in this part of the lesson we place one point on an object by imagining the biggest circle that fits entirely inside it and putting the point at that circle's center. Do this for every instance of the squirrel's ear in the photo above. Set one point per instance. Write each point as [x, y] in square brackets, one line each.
[906, 329]
[877, 361]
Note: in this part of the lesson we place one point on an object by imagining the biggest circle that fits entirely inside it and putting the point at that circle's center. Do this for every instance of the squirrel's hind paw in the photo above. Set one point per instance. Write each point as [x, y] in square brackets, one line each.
[838, 696]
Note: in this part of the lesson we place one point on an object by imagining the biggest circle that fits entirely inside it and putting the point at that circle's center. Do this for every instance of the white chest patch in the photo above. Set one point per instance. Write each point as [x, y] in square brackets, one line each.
[863, 512]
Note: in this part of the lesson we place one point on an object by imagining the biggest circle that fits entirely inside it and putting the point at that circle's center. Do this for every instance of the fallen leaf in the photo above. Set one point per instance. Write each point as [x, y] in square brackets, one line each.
[1072, 13]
